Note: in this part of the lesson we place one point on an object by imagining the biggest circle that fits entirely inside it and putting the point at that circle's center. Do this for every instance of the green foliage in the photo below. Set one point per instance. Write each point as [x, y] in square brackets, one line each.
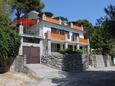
[110, 20]
[25, 6]
[49, 14]
[107, 23]
[66, 51]
[4, 19]
[9, 39]
[83, 22]
[100, 40]
[70, 51]
[62, 18]
[79, 51]
[86, 25]
[9, 43]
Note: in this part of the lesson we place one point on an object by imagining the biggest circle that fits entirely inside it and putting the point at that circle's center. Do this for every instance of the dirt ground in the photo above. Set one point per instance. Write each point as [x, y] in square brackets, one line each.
[17, 79]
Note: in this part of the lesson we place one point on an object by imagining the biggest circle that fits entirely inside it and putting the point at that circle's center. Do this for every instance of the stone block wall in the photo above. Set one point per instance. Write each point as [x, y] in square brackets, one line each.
[70, 63]
[18, 64]
[101, 61]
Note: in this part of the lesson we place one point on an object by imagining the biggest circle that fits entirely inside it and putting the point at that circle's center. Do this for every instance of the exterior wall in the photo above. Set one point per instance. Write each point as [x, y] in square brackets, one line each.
[34, 45]
[70, 37]
[45, 44]
[66, 28]
[81, 35]
[45, 30]
[35, 29]
[41, 45]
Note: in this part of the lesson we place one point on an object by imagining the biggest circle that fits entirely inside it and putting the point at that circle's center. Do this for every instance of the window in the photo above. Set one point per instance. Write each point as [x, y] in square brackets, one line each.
[31, 40]
[55, 47]
[53, 30]
[73, 37]
[68, 36]
[62, 32]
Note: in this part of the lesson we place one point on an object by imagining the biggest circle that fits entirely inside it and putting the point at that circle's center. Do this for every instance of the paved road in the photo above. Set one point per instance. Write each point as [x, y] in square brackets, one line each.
[92, 77]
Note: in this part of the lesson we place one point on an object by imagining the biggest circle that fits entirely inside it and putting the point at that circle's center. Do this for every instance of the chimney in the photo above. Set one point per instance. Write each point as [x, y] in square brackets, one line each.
[60, 21]
[21, 29]
[71, 25]
[44, 16]
[82, 28]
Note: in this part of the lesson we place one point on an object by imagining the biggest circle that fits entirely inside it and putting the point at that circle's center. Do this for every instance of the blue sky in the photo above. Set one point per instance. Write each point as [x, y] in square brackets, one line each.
[78, 9]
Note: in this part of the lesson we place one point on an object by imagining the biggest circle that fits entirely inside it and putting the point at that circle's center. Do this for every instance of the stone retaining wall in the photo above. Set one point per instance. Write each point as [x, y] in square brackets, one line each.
[71, 63]
[18, 64]
[101, 61]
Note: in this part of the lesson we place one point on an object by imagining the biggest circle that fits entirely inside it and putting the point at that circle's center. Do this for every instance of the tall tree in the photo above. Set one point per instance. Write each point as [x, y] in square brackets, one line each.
[100, 40]
[108, 23]
[4, 19]
[25, 6]
[110, 20]
[84, 22]
[9, 39]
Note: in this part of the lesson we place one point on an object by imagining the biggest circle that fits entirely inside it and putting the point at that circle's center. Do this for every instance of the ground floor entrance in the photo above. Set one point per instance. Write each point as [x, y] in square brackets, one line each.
[32, 54]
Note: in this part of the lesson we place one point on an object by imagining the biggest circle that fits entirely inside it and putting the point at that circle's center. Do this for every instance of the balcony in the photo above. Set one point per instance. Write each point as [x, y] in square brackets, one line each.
[83, 40]
[28, 31]
[26, 22]
[57, 36]
[77, 28]
[52, 20]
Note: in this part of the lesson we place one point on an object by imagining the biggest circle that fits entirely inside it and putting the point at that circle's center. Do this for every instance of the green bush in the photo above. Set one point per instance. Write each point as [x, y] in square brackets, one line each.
[70, 51]
[79, 52]
[9, 44]
[95, 51]
[62, 51]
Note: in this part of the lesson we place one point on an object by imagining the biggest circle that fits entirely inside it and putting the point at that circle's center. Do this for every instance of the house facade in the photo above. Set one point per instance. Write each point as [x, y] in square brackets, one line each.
[45, 35]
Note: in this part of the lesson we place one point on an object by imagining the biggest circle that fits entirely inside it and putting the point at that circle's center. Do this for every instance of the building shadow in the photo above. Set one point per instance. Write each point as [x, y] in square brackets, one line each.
[87, 78]
[72, 63]
[74, 74]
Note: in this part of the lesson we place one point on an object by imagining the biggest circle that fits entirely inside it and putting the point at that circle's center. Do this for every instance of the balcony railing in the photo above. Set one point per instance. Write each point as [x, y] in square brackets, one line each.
[26, 22]
[57, 36]
[83, 40]
[52, 20]
[77, 27]
[28, 31]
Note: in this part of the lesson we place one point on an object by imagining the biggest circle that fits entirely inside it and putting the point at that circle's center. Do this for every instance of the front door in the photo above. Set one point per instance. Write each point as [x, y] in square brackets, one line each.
[32, 54]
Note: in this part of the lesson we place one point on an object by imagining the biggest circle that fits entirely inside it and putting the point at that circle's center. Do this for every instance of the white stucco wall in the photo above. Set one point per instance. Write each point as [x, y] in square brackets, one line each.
[70, 36]
[81, 35]
[45, 29]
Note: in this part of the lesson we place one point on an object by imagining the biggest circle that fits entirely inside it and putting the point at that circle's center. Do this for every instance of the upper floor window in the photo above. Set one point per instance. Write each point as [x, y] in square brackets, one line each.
[62, 32]
[31, 40]
[68, 35]
[58, 31]
[53, 30]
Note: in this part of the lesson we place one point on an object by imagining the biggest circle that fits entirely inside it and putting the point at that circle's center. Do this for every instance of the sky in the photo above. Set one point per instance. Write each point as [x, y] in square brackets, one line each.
[78, 9]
